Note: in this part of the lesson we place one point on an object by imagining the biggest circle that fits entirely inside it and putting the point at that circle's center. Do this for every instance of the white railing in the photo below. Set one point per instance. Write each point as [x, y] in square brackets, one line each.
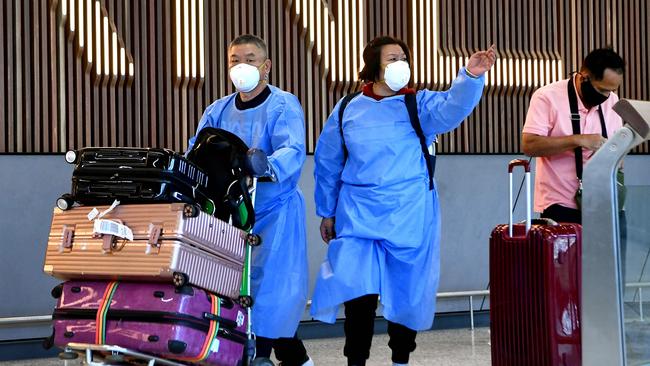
[25, 320]
[470, 295]
[639, 286]
[441, 295]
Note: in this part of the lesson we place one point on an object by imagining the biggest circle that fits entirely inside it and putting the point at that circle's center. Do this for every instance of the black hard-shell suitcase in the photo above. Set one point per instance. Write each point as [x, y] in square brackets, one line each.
[135, 175]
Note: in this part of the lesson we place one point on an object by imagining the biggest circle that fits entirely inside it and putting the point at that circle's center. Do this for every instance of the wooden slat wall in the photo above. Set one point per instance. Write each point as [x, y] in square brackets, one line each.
[58, 93]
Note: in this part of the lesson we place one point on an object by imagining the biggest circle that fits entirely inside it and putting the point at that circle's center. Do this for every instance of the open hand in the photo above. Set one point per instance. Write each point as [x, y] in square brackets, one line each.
[481, 61]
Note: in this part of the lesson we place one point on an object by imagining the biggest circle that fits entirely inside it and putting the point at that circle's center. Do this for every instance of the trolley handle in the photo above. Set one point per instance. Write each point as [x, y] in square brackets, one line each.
[526, 165]
[518, 162]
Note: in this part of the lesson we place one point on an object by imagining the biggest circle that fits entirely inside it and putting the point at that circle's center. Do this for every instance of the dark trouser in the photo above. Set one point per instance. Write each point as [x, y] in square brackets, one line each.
[289, 351]
[564, 214]
[359, 328]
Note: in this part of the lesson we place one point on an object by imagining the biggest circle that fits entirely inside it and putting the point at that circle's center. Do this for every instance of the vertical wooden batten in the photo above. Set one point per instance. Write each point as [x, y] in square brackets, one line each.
[57, 93]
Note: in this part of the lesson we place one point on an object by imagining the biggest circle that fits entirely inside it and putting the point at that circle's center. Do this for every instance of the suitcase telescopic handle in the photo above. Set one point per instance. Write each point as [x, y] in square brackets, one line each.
[526, 165]
[518, 162]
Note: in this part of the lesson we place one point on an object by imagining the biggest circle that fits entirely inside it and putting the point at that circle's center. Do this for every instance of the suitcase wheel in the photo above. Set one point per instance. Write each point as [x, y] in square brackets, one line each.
[65, 202]
[245, 301]
[191, 210]
[68, 355]
[71, 157]
[180, 279]
[253, 240]
[48, 342]
[57, 291]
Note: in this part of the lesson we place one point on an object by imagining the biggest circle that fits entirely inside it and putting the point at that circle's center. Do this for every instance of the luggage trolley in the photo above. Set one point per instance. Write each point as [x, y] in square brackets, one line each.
[100, 355]
[105, 355]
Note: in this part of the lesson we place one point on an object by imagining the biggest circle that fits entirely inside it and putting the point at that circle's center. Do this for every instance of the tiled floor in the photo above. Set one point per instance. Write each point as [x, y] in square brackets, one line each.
[459, 347]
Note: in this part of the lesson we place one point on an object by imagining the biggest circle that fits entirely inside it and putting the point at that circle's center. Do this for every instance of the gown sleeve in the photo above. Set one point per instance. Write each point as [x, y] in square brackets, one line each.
[329, 161]
[443, 111]
[288, 140]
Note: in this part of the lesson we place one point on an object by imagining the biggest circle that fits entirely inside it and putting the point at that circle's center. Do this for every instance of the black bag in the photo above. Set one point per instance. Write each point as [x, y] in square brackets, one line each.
[222, 155]
[135, 175]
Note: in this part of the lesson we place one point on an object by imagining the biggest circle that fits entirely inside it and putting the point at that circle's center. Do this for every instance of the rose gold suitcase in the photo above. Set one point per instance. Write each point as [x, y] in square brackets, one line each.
[170, 242]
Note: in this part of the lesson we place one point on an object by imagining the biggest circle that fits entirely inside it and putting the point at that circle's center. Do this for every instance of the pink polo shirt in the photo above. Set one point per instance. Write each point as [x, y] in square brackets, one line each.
[549, 115]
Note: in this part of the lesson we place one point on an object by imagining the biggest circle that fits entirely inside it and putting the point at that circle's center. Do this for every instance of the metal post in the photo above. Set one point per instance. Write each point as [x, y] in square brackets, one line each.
[602, 324]
[471, 311]
[641, 303]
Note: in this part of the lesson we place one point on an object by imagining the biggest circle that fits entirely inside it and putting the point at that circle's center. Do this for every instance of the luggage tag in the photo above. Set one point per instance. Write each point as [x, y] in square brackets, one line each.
[109, 229]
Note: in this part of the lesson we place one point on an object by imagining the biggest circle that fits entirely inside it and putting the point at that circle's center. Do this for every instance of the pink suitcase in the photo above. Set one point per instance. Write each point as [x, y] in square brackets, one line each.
[170, 242]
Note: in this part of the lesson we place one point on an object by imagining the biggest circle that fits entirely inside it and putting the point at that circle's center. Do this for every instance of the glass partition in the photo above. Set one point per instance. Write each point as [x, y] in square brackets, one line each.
[636, 268]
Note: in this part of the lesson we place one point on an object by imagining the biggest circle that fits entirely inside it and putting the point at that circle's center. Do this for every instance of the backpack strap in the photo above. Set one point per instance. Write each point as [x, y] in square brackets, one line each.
[344, 103]
[412, 107]
[575, 124]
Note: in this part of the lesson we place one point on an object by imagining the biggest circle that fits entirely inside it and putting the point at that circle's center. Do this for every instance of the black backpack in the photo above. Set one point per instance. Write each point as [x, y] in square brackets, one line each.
[222, 156]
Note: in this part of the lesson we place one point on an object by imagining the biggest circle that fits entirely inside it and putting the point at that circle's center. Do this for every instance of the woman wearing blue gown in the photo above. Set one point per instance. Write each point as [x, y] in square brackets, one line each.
[380, 212]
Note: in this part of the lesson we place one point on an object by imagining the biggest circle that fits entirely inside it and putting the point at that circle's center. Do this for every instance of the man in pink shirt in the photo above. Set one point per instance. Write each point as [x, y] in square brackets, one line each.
[548, 133]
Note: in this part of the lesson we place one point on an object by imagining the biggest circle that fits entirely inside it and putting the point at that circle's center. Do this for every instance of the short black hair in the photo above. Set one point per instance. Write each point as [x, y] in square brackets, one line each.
[600, 59]
[250, 39]
[372, 56]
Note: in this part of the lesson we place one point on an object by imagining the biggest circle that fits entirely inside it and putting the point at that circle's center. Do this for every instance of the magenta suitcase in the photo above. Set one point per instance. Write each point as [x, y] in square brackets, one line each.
[535, 275]
[186, 324]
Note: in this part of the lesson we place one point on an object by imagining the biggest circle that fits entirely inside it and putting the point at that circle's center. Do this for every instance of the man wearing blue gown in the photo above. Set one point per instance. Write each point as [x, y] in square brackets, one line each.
[270, 120]
[380, 210]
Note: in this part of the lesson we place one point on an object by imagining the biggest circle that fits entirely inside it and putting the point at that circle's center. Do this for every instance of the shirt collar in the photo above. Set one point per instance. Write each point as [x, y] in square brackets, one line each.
[367, 91]
[259, 99]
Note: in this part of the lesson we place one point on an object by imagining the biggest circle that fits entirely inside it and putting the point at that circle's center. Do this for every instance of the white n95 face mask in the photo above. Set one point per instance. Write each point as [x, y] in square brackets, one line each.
[245, 77]
[397, 74]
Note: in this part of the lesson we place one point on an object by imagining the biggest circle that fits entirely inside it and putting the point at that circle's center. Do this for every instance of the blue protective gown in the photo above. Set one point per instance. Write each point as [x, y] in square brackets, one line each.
[387, 220]
[279, 266]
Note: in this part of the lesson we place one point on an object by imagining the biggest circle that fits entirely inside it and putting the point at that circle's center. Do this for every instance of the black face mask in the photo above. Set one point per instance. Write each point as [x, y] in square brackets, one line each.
[590, 96]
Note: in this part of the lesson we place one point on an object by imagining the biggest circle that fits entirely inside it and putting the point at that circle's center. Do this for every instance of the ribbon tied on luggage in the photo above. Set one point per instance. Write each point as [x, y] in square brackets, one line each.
[102, 312]
[211, 343]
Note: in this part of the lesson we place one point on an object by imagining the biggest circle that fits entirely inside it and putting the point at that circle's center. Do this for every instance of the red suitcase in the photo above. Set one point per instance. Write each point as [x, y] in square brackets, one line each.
[535, 290]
